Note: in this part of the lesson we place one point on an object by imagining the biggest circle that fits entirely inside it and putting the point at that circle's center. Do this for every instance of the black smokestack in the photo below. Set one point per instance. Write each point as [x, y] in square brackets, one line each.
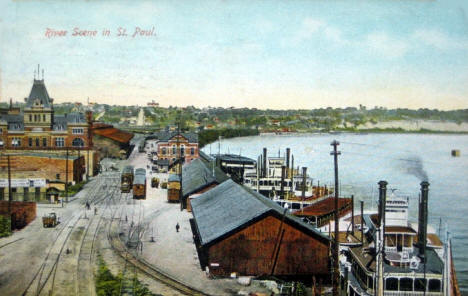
[288, 156]
[283, 172]
[414, 166]
[422, 221]
[264, 162]
[382, 201]
[304, 181]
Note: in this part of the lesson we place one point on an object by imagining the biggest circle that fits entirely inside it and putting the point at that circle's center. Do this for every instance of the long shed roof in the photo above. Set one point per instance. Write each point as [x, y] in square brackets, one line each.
[230, 206]
[197, 174]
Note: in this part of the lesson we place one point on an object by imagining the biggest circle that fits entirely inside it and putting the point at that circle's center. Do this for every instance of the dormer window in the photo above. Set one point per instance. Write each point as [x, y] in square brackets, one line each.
[37, 102]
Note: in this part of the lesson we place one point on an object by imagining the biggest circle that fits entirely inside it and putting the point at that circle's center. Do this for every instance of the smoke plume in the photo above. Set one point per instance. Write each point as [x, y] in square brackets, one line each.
[414, 166]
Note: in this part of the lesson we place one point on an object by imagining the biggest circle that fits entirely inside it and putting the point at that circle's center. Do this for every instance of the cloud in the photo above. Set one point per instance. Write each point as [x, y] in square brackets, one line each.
[439, 40]
[386, 46]
[308, 28]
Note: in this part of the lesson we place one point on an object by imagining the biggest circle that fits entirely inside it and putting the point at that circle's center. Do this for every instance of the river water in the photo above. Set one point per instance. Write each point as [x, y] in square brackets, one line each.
[403, 160]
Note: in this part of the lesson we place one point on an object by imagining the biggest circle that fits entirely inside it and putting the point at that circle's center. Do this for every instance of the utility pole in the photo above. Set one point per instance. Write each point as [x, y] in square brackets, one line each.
[66, 175]
[336, 248]
[179, 165]
[10, 198]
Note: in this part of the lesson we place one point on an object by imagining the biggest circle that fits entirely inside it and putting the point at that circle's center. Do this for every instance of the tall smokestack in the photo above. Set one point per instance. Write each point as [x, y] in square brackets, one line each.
[422, 223]
[264, 173]
[283, 172]
[288, 156]
[382, 200]
[304, 181]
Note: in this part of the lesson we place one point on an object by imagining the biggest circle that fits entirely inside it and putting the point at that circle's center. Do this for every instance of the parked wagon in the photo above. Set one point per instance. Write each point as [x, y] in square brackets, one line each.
[49, 220]
[154, 182]
[139, 184]
[126, 179]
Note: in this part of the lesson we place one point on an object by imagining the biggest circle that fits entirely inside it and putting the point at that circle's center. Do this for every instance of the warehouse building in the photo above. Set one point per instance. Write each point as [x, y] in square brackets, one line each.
[199, 176]
[238, 230]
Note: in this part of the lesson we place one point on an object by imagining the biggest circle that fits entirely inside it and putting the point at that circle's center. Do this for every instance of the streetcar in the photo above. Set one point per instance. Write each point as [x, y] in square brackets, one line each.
[126, 179]
[139, 184]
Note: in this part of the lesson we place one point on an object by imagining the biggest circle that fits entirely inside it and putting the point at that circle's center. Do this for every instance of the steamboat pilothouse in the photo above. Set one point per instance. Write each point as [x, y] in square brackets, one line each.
[397, 257]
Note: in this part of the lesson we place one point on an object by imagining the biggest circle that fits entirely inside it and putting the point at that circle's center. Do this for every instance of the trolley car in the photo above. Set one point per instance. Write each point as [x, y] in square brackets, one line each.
[173, 188]
[126, 179]
[139, 184]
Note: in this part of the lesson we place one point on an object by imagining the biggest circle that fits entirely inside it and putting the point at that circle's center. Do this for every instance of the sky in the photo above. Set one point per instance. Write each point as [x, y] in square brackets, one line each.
[262, 54]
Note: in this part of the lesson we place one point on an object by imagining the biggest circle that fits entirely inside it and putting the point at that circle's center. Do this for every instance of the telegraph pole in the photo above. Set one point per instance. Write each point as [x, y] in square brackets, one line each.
[179, 165]
[66, 175]
[336, 248]
[10, 198]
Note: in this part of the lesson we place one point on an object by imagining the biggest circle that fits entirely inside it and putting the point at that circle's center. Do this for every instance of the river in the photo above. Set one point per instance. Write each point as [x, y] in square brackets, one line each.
[403, 160]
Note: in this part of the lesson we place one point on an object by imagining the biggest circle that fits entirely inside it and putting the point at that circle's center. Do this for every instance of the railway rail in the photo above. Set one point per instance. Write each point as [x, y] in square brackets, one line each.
[144, 267]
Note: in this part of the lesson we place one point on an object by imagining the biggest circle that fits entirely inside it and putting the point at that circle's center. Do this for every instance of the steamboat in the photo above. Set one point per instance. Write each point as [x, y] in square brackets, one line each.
[396, 257]
[275, 177]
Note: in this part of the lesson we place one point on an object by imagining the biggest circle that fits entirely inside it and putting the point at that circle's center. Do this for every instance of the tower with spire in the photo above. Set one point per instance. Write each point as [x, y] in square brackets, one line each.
[38, 111]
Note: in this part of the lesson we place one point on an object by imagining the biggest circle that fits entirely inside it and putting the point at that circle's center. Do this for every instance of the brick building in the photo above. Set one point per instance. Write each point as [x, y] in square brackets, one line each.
[37, 128]
[35, 174]
[172, 144]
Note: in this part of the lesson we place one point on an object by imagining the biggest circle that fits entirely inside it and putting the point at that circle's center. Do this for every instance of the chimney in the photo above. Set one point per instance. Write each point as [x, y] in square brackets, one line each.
[264, 162]
[422, 221]
[304, 181]
[288, 156]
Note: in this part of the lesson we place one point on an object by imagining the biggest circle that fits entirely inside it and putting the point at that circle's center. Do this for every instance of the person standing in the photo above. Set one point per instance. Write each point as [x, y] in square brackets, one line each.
[177, 227]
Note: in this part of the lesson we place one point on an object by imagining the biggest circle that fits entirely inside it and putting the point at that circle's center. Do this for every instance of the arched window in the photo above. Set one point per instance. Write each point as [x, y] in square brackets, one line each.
[78, 142]
[174, 149]
[182, 150]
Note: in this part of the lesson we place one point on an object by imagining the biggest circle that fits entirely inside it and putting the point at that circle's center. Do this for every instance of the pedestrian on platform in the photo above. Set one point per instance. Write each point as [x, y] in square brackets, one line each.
[177, 227]
[95, 210]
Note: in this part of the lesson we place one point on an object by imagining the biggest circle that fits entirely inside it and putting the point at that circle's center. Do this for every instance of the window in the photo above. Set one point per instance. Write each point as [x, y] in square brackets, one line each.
[78, 131]
[37, 142]
[391, 284]
[57, 176]
[43, 117]
[419, 285]
[174, 149]
[1, 130]
[406, 284]
[30, 142]
[44, 142]
[30, 117]
[434, 285]
[163, 151]
[59, 142]
[182, 150]
[16, 142]
[192, 151]
[77, 142]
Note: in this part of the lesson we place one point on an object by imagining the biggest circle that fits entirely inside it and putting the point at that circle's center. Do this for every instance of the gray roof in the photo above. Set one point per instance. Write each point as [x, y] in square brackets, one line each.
[166, 136]
[38, 91]
[140, 171]
[61, 121]
[139, 179]
[197, 175]
[173, 178]
[163, 162]
[15, 121]
[205, 156]
[230, 206]
[233, 158]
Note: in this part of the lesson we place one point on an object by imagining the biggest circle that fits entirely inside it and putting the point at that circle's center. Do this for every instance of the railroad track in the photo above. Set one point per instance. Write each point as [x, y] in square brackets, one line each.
[119, 248]
[50, 262]
[84, 269]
